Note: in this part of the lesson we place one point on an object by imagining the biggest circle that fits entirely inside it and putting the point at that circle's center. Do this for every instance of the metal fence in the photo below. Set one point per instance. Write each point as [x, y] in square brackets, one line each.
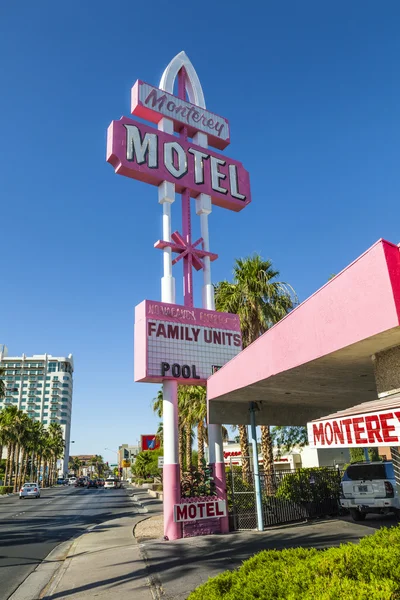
[287, 496]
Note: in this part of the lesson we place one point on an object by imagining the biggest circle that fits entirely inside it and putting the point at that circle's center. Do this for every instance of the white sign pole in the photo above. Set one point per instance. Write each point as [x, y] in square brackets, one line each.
[215, 442]
[171, 477]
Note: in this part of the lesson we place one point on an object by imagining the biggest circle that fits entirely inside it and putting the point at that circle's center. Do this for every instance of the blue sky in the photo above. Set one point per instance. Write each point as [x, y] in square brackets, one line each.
[311, 91]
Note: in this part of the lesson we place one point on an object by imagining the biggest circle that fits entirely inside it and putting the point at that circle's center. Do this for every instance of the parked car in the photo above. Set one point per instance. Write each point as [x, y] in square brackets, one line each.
[80, 482]
[112, 483]
[369, 487]
[29, 490]
[92, 484]
[100, 482]
[72, 480]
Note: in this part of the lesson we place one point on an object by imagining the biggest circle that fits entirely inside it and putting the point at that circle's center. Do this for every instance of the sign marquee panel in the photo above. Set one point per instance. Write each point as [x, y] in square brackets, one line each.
[176, 342]
[151, 103]
[370, 430]
[144, 153]
[197, 511]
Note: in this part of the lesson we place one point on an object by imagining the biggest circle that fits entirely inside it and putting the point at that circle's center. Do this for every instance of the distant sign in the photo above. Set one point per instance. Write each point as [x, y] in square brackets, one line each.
[149, 442]
[126, 463]
[160, 462]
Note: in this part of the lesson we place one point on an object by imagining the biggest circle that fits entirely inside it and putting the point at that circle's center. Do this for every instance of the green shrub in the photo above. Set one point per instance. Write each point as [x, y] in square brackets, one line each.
[158, 487]
[149, 480]
[369, 570]
[139, 481]
[310, 485]
[6, 489]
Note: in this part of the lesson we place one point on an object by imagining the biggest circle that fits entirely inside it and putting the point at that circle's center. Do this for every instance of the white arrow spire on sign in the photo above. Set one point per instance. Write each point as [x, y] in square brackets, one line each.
[193, 85]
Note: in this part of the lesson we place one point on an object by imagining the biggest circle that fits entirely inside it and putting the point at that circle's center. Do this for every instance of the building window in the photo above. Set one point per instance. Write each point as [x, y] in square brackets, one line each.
[63, 422]
[45, 422]
[66, 378]
[47, 385]
[65, 385]
[48, 378]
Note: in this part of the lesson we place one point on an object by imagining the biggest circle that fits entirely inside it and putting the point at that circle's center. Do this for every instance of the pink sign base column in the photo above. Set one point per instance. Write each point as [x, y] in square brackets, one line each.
[171, 474]
[220, 484]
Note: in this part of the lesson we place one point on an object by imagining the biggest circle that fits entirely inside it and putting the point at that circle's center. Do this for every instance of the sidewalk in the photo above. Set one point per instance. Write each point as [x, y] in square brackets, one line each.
[105, 559]
[177, 568]
[109, 559]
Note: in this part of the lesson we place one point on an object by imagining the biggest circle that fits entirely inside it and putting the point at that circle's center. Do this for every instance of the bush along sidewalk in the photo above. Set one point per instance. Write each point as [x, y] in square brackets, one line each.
[369, 570]
[6, 489]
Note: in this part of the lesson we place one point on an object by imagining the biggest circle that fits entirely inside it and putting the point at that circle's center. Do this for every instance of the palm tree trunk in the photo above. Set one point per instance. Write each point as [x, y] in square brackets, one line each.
[8, 464]
[188, 444]
[200, 443]
[181, 451]
[25, 468]
[17, 465]
[45, 474]
[32, 469]
[268, 458]
[245, 452]
[37, 468]
[18, 478]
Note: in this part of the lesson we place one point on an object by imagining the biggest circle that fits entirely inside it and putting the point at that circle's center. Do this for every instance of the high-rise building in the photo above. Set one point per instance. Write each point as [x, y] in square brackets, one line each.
[40, 385]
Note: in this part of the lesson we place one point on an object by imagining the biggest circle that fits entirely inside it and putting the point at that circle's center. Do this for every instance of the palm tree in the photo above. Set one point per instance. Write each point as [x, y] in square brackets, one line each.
[56, 447]
[2, 394]
[260, 301]
[75, 465]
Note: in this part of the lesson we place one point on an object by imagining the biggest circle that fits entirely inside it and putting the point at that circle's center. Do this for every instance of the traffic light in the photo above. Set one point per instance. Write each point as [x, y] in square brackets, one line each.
[126, 453]
[120, 471]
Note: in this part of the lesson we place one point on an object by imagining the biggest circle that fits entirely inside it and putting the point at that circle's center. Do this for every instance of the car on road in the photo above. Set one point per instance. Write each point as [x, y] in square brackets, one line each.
[29, 490]
[80, 482]
[92, 484]
[369, 488]
[72, 480]
[100, 482]
[112, 483]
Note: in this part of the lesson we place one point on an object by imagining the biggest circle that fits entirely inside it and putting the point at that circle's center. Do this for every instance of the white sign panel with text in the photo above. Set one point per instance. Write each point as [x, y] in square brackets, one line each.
[188, 344]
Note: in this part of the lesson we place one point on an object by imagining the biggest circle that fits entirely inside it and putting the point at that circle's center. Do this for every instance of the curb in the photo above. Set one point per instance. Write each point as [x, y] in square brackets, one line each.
[60, 572]
[43, 580]
[32, 587]
[156, 587]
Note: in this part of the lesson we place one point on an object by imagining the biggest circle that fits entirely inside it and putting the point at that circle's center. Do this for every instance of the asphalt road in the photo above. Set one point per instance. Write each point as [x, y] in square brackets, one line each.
[30, 529]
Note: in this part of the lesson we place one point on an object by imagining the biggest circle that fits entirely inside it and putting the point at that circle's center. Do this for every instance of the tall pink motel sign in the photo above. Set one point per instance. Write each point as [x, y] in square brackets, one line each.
[180, 343]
